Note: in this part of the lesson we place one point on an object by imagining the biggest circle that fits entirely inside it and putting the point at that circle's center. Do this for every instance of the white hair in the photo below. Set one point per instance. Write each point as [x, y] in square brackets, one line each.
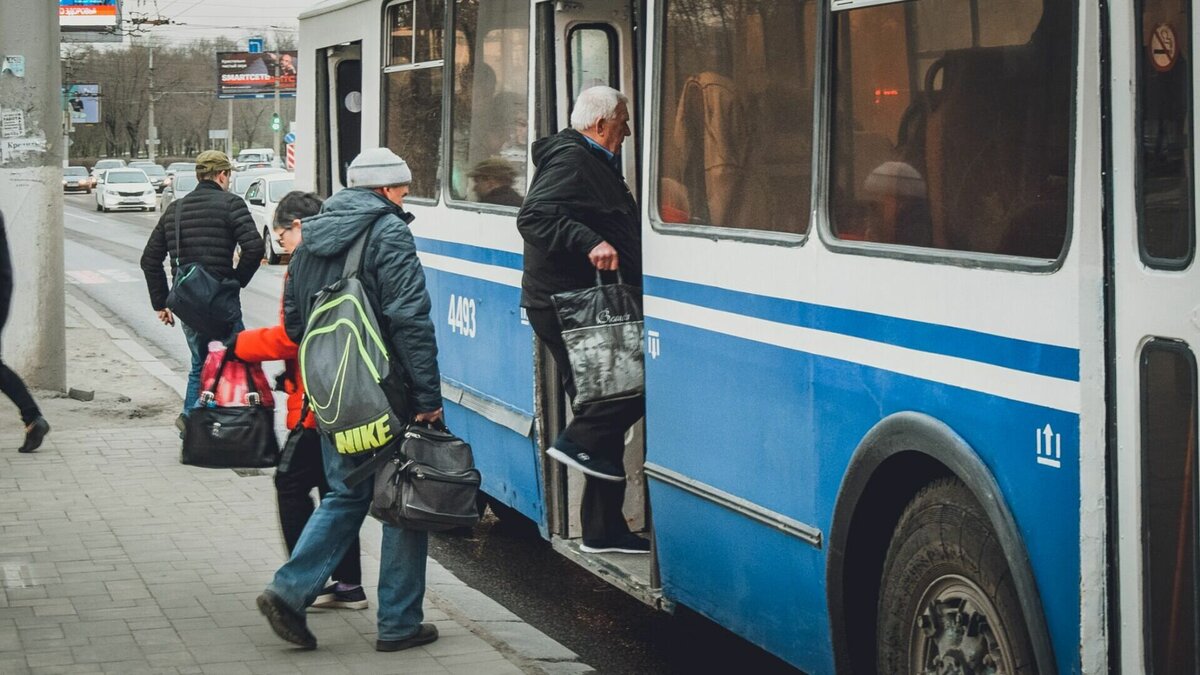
[595, 104]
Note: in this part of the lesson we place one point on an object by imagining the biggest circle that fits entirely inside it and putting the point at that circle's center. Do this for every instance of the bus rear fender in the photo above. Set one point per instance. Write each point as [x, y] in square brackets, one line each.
[900, 455]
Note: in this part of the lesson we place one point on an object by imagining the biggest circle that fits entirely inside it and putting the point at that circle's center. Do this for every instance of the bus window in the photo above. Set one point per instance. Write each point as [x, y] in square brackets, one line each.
[592, 58]
[1165, 119]
[735, 135]
[951, 125]
[412, 89]
[491, 101]
[1168, 381]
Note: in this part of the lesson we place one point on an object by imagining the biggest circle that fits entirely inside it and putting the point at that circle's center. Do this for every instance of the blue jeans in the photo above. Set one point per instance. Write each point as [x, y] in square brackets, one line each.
[329, 532]
[198, 344]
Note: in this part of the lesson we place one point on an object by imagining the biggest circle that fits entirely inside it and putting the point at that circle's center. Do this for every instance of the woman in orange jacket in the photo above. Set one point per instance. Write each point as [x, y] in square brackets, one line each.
[305, 470]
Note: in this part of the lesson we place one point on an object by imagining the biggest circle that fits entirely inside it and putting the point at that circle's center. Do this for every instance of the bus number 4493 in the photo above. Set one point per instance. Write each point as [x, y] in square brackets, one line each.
[462, 315]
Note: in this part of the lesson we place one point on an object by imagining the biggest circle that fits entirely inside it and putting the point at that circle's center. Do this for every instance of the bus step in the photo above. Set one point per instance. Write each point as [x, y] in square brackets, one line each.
[630, 573]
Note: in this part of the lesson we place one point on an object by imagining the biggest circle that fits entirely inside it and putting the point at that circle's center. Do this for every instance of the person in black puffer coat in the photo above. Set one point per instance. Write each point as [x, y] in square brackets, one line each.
[579, 219]
[212, 224]
[36, 426]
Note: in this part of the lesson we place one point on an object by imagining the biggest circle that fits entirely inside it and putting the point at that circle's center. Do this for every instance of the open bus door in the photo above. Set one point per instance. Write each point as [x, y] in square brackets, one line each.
[339, 113]
[1154, 314]
[595, 42]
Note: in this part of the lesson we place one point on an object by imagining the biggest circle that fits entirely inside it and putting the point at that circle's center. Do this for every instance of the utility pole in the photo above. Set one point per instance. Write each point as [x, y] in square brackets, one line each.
[31, 191]
[152, 132]
[279, 127]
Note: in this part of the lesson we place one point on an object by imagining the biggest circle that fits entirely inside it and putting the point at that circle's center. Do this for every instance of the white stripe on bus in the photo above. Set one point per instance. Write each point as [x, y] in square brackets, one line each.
[1049, 392]
[493, 273]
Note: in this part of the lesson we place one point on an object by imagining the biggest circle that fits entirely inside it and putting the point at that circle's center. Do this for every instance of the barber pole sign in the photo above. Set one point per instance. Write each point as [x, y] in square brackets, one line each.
[290, 157]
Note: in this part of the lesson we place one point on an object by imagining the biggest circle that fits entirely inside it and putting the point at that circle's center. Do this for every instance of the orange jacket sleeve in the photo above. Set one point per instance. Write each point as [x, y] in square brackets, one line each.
[265, 344]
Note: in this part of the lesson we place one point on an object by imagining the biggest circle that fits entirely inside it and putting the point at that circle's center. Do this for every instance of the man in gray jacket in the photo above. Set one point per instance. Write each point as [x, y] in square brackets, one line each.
[395, 283]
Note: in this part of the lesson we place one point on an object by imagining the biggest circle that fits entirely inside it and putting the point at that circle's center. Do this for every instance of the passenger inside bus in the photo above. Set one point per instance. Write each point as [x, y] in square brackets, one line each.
[975, 100]
[736, 120]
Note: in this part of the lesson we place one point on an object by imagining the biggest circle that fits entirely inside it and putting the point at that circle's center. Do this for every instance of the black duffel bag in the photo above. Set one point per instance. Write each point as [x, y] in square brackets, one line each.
[428, 482]
[208, 305]
[231, 437]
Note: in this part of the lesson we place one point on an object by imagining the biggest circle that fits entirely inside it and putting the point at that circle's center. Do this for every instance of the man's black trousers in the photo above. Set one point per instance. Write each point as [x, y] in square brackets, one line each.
[598, 428]
[14, 388]
[293, 492]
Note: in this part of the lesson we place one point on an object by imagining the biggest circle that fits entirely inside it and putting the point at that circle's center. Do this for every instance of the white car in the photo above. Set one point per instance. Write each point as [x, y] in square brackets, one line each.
[125, 189]
[262, 197]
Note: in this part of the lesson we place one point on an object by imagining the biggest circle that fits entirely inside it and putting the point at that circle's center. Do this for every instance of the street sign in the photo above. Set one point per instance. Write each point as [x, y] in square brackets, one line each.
[255, 45]
[290, 155]
[289, 137]
[152, 141]
[218, 134]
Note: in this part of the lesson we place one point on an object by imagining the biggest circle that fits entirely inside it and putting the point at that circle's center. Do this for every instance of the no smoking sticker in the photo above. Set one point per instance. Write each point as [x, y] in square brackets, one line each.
[1164, 48]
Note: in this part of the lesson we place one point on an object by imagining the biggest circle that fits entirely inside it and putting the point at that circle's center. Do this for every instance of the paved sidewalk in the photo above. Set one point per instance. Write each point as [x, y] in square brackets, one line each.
[115, 558]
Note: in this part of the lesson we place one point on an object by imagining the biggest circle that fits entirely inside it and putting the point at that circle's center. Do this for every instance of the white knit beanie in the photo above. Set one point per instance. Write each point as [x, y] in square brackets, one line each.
[378, 167]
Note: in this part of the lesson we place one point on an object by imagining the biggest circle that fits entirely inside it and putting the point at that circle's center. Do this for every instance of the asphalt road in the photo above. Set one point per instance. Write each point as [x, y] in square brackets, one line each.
[506, 561]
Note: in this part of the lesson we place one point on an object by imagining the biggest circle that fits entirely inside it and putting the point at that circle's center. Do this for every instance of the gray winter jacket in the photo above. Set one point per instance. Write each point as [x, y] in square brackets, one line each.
[391, 274]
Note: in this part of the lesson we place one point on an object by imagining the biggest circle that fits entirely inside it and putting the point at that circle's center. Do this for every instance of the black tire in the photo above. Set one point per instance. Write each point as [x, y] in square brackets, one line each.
[943, 553]
[269, 252]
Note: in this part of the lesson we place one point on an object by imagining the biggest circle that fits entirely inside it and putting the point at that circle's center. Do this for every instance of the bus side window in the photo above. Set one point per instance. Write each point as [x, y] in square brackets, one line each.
[952, 125]
[735, 126]
[592, 58]
[491, 97]
[412, 89]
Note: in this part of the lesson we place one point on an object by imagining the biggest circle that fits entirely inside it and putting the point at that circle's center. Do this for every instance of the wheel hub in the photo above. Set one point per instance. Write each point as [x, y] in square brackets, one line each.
[955, 632]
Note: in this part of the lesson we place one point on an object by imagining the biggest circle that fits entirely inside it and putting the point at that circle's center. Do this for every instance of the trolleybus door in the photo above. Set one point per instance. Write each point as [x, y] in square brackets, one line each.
[1155, 313]
[594, 44]
[339, 114]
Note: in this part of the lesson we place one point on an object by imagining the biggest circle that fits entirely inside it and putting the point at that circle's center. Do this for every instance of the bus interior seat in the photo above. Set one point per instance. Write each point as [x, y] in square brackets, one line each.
[996, 148]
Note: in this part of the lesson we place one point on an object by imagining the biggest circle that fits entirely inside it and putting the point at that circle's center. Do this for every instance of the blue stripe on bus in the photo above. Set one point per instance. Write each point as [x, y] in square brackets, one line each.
[478, 254]
[1023, 355]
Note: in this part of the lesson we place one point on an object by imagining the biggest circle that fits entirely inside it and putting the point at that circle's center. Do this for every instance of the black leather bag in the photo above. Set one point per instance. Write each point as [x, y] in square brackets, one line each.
[208, 305]
[231, 437]
[427, 483]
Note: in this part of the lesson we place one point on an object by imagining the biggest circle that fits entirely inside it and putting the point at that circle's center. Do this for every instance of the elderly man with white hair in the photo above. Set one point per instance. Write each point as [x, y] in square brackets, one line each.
[579, 217]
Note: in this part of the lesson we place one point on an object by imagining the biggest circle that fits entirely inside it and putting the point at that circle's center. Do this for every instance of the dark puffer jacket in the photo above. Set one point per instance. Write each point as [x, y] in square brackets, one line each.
[577, 200]
[391, 274]
[213, 222]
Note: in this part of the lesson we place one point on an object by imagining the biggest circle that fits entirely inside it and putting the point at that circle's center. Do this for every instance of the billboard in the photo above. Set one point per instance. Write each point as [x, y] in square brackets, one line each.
[83, 102]
[88, 15]
[252, 75]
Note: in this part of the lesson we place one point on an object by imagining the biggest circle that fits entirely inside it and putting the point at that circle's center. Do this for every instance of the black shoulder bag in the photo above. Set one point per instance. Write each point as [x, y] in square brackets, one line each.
[234, 437]
[208, 305]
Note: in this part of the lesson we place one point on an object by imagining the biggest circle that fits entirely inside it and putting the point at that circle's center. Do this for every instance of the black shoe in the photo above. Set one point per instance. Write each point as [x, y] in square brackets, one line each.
[34, 435]
[332, 598]
[285, 621]
[425, 634]
[626, 543]
[597, 467]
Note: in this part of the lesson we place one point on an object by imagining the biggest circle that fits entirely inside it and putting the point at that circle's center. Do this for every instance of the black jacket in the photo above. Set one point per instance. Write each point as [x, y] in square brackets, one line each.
[6, 276]
[577, 200]
[213, 222]
[391, 274]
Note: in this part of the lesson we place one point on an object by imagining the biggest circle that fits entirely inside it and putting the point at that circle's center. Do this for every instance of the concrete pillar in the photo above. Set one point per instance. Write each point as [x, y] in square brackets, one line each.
[34, 340]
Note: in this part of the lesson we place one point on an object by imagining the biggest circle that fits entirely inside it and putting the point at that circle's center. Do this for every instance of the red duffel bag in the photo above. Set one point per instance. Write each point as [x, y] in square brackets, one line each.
[234, 388]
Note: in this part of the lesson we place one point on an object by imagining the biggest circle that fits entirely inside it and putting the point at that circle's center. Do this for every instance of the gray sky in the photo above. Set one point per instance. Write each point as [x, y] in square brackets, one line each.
[235, 19]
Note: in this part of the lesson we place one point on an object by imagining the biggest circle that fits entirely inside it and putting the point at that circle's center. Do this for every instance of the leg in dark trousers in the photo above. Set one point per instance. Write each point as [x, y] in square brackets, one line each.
[293, 492]
[600, 429]
[14, 388]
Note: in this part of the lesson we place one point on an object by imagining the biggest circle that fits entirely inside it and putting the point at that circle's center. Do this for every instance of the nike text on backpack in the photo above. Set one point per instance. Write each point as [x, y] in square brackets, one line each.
[355, 396]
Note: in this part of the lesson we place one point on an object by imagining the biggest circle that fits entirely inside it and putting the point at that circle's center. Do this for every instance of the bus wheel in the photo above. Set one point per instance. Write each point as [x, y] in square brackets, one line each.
[947, 603]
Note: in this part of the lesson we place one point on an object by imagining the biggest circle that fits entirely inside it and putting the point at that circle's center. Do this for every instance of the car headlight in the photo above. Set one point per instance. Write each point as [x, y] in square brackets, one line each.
[148, 192]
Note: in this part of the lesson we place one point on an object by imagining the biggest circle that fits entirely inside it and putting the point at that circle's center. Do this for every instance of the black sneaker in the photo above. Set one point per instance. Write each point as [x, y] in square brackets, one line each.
[597, 467]
[332, 598]
[285, 621]
[425, 634]
[34, 435]
[626, 543]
